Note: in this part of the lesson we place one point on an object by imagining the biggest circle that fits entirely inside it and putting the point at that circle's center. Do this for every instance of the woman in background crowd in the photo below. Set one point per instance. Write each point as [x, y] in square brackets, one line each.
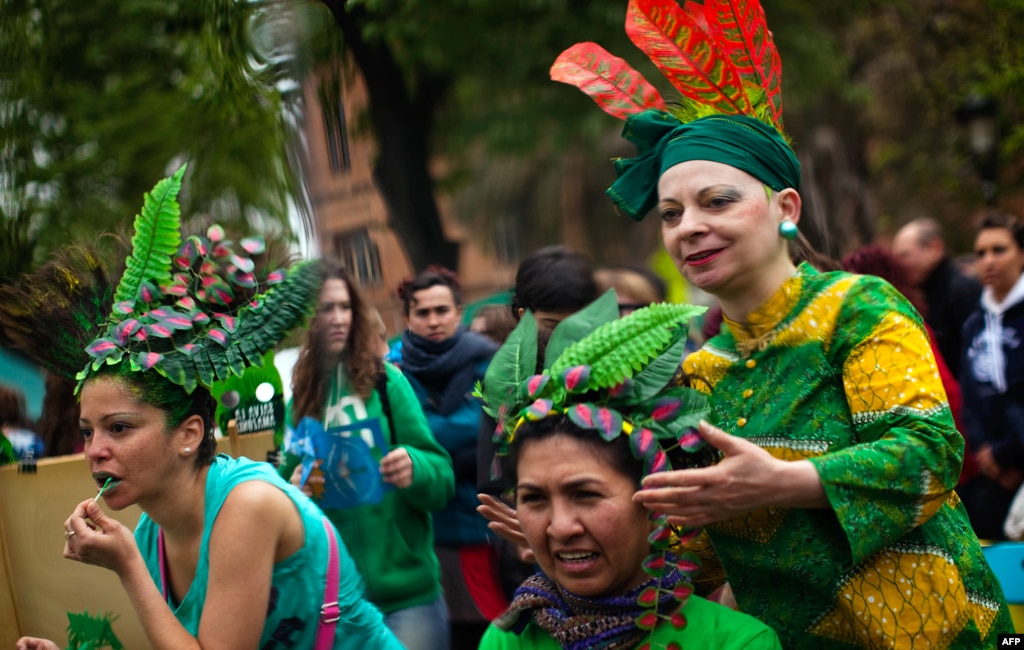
[993, 375]
[341, 380]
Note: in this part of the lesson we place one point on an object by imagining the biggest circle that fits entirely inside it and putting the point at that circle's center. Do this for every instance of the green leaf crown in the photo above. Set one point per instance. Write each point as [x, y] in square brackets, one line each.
[608, 374]
[195, 310]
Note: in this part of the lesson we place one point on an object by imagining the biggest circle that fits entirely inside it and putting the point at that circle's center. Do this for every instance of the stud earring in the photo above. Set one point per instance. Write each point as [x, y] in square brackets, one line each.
[188, 450]
[788, 230]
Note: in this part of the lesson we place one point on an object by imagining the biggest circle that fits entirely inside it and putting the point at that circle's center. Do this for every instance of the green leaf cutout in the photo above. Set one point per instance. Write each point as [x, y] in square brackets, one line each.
[513, 364]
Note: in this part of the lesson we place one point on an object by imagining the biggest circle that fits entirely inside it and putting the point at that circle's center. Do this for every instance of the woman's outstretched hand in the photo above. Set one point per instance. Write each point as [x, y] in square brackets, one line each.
[94, 538]
[748, 478]
[505, 524]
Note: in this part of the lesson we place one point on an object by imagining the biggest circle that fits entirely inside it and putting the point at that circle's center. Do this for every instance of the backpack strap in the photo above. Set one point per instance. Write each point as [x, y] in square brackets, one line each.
[385, 403]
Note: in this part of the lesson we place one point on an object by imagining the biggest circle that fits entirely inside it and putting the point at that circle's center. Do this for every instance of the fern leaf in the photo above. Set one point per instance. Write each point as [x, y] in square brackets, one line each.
[614, 349]
[155, 241]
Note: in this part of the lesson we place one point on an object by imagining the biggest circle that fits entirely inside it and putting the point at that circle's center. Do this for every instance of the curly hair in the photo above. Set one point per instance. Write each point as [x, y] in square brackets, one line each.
[310, 378]
[433, 276]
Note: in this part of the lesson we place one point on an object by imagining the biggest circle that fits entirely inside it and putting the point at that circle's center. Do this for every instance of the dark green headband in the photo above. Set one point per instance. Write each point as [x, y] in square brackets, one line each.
[662, 141]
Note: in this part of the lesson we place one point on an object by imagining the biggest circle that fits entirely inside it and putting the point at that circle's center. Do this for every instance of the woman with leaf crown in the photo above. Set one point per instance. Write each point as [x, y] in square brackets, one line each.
[204, 569]
[575, 441]
[832, 509]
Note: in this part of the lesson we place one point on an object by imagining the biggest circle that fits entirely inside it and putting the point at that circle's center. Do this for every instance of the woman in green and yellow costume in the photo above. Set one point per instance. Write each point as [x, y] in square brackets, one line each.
[832, 509]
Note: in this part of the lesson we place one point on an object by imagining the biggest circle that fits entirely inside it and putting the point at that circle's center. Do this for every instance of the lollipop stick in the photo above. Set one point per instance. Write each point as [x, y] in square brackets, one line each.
[102, 489]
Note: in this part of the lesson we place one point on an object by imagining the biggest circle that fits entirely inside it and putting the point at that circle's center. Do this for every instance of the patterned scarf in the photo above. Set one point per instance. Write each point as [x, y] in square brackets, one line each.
[580, 623]
[446, 369]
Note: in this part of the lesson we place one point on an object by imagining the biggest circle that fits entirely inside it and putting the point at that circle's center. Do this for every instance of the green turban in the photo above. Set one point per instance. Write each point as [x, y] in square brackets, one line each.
[662, 141]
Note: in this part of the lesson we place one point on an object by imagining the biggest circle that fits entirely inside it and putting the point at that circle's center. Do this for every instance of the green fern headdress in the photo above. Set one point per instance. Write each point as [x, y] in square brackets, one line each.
[611, 375]
[615, 377]
[192, 310]
[720, 56]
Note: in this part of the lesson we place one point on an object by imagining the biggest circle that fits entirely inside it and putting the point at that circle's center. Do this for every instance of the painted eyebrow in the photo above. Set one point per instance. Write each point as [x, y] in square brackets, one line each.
[703, 193]
[571, 485]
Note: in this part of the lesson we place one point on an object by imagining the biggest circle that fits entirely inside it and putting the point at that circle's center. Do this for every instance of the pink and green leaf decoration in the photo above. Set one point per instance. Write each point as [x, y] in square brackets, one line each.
[538, 410]
[536, 384]
[194, 310]
[575, 379]
[253, 245]
[101, 348]
[654, 564]
[661, 536]
[691, 440]
[607, 422]
[124, 307]
[656, 462]
[666, 408]
[147, 360]
[646, 621]
[648, 597]
[642, 442]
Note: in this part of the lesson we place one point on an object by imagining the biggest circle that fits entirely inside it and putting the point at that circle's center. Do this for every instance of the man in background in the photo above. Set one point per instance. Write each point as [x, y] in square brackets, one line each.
[949, 296]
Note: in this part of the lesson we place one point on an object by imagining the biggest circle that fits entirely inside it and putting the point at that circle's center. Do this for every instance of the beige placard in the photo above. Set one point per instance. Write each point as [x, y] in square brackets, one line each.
[37, 585]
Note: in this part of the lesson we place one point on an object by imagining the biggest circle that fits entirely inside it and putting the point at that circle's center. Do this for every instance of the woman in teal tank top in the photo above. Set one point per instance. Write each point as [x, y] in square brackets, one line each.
[226, 552]
[227, 555]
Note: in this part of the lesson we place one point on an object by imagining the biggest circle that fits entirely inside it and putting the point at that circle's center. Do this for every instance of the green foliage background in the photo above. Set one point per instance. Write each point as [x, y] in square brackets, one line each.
[98, 99]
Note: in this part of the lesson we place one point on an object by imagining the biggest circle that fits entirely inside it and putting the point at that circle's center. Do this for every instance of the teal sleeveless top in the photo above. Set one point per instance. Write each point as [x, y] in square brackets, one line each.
[297, 585]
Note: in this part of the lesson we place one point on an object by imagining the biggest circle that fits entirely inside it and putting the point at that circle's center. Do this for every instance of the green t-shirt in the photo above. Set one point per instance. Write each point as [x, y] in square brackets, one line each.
[709, 625]
[392, 542]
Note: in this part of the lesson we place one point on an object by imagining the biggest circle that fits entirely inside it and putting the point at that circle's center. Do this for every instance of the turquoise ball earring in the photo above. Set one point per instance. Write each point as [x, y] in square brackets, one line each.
[788, 229]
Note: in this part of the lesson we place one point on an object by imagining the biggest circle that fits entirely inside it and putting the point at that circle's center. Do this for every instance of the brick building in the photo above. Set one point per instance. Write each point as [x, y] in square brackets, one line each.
[351, 216]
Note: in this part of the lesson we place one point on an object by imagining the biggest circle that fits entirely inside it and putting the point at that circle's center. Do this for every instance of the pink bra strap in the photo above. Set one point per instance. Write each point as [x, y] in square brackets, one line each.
[330, 612]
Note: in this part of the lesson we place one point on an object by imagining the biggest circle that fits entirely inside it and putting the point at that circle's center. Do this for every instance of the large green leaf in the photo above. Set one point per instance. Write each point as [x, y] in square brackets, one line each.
[513, 364]
[156, 239]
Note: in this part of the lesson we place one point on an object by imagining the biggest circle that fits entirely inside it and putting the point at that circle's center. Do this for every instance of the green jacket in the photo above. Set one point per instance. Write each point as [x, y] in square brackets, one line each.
[708, 625]
[392, 542]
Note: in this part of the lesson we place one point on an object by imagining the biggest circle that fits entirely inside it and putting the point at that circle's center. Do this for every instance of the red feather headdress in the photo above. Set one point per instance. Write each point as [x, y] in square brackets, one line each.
[719, 55]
